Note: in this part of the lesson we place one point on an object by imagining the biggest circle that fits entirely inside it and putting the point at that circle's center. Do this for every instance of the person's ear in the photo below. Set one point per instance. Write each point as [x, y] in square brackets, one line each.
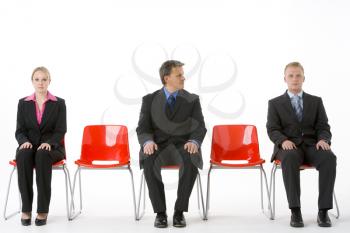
[166, 77]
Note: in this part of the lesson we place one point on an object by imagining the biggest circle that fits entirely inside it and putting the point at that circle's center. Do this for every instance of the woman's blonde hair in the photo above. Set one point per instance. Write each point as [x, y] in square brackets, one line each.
[42, 69]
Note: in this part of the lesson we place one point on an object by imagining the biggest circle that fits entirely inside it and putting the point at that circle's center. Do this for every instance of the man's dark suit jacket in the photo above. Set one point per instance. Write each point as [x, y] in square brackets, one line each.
[282, 123]
[52, 128]
[173, 130]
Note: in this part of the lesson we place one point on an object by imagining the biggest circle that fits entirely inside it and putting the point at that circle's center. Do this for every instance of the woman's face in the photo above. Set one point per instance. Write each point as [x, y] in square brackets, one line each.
[40, 82]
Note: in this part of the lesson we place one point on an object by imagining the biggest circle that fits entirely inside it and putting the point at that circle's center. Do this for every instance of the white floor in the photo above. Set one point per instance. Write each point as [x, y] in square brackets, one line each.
[223, 222]
[108, 209]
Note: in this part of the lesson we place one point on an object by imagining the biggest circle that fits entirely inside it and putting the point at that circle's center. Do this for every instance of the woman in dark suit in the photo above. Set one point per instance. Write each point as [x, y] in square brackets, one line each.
[41, 125]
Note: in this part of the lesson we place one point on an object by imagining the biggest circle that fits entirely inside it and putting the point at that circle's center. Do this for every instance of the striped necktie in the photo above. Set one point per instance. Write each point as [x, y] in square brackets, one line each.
[296, 102]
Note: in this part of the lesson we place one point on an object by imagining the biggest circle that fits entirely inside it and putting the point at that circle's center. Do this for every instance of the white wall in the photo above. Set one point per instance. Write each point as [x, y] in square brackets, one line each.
[89, 45]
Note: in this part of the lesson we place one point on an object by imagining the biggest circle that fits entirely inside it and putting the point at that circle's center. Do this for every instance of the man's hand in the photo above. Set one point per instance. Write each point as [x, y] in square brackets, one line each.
[288, 145]
[26, 145]
[149, 148]
[323, 145]
[191, 147]
[44, 146]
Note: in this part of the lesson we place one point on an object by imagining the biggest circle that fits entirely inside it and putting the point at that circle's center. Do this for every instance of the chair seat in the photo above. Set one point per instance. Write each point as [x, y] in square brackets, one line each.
[303, 166]
[89, 164]
[13, 163]
[171, 167]
[58, 164]
[249, 164]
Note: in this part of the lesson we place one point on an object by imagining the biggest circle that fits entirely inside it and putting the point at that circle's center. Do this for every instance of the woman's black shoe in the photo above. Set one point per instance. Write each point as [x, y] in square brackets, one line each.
[40, 222]
[26, 222]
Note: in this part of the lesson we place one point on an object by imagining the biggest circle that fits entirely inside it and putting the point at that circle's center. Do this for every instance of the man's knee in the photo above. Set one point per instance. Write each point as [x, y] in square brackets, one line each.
[330, 160]
[291, 158]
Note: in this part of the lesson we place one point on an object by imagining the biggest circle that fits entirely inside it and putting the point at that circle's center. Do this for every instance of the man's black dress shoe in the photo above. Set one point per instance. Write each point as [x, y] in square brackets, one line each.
[179, 219]
[323, 219]
[296, 220]
[161, 220]
[40, 222]
[26, 222]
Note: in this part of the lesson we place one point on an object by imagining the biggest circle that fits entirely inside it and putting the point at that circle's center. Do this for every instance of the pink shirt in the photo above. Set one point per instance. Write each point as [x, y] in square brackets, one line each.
[39, 114]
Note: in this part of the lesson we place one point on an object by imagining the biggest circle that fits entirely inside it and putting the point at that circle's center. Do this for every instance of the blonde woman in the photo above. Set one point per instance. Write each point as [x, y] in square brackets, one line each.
[41, 125]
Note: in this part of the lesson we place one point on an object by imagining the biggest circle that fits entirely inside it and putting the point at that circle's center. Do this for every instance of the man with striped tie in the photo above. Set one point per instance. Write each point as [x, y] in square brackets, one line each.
[298, 126]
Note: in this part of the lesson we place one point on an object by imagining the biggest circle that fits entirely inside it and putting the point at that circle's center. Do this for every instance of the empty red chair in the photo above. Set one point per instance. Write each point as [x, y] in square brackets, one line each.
[236, 147]
[276, 165]
[104, 147]
[61, 165]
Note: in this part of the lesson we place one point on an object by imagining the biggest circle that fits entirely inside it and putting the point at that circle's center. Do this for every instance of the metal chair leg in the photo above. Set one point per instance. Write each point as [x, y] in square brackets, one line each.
[208, 194]
[337, 215]
[142, 193]
[198, 201]
[68, 187]
[273, 189]
[72, 215]
[261, 190]
[7, 197]
[133, 193]
[262, 172]
[200, 197]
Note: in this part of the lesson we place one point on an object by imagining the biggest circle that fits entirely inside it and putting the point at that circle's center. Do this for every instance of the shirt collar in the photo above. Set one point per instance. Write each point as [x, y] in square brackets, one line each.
[167, 93]
[290, 94]
[48, 97]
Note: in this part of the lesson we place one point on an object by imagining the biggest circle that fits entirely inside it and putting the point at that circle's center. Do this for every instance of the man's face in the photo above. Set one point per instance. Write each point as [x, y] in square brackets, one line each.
[294, 77]
[175, 81]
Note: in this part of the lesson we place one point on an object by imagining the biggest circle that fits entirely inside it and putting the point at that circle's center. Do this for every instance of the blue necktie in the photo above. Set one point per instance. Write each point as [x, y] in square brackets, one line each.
[296, 102]
[171, 102]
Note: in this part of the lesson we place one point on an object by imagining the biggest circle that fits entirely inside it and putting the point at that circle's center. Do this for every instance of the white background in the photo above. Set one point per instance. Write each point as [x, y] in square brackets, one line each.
[88, 46]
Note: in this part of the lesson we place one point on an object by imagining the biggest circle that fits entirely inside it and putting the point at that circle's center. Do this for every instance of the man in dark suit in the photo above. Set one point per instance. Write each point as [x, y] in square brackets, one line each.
[298, 126]
[170, 132]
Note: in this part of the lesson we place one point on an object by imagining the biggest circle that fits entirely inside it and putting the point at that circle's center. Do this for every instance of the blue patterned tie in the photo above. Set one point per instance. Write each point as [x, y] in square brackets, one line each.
[171, 102]
[296, 102]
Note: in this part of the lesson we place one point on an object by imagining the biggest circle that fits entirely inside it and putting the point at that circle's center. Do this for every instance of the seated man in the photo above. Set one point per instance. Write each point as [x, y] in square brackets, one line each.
[170, 131]
[298, 126]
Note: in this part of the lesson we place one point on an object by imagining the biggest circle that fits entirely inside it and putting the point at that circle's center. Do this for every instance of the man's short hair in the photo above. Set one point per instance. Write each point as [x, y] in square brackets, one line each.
[294, 64]
[166, 68]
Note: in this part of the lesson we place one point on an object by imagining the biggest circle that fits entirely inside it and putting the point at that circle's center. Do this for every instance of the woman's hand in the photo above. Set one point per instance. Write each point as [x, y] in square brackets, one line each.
[26, 145]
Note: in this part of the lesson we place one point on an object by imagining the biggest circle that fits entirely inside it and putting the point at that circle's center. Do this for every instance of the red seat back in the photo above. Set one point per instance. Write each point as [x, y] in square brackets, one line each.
[105, 143]
[235, 142]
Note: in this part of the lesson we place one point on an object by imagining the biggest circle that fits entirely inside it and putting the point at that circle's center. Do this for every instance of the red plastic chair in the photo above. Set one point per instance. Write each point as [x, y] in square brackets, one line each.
[237, 147]
[142, 193]
[61, 165]
[104, 143]
[276, 165]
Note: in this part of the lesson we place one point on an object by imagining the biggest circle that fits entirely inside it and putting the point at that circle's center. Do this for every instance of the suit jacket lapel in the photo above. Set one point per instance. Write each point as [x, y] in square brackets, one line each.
[179, 101]
[306, 105]
[32, 113]
[49, 106]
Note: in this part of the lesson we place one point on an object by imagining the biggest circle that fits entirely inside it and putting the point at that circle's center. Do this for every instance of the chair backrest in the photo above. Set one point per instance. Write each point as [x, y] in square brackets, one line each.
[235, 142]
[105, 143]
